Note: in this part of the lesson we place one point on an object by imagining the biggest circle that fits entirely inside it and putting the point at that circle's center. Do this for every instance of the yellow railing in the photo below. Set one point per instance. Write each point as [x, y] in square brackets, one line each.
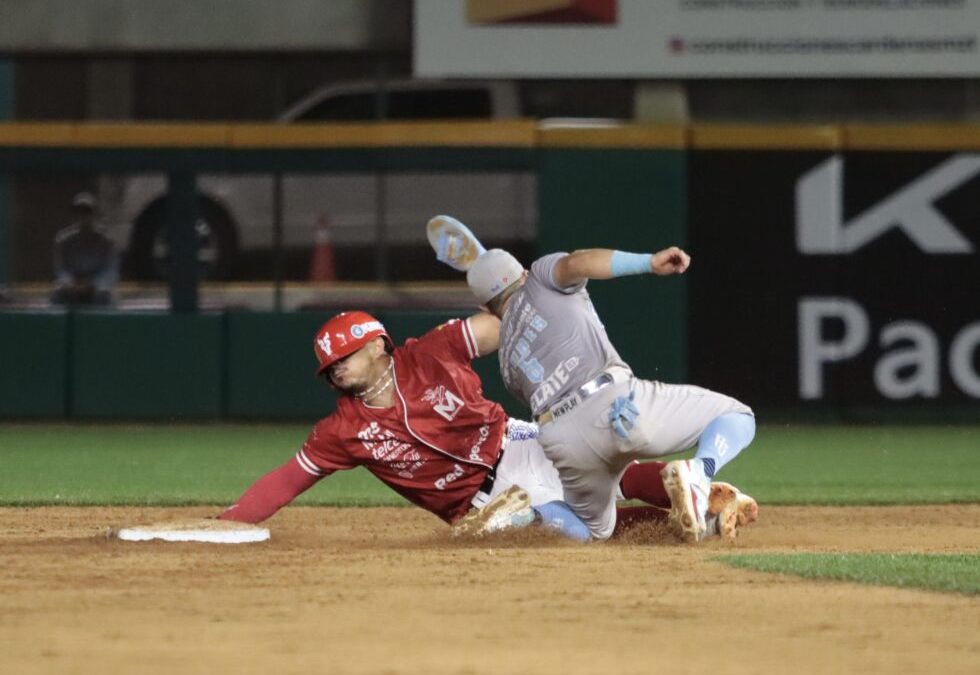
[510, 134]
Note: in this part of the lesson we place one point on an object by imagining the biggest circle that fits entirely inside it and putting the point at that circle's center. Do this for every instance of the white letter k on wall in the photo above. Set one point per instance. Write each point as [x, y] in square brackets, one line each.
[820, 226]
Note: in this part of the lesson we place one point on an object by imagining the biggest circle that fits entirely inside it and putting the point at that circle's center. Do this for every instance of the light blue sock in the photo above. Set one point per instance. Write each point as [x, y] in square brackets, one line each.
[558, 516]
[723, 439]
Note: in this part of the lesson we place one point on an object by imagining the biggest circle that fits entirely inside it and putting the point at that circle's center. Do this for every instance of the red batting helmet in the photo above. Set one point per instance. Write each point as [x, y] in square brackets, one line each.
[343, 335]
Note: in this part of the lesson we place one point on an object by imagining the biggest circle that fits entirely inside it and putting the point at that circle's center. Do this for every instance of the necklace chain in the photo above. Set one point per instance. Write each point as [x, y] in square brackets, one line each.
[378, 385]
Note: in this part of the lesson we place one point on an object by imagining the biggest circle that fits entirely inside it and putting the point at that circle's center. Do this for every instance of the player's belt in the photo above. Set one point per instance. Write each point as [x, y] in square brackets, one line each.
[572, 401]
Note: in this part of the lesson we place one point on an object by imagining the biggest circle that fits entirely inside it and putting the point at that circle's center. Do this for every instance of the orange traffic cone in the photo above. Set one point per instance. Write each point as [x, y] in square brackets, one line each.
[322, 267]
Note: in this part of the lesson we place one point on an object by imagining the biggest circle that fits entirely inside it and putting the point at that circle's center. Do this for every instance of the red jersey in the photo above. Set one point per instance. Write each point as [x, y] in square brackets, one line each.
[436, 445]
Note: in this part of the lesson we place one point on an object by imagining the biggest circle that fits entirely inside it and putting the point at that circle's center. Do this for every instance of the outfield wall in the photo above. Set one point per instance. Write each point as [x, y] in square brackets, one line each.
[835, 268]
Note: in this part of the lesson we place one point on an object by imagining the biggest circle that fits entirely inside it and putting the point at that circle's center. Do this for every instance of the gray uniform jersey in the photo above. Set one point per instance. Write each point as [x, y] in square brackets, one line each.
[551, 343]
[551, 339]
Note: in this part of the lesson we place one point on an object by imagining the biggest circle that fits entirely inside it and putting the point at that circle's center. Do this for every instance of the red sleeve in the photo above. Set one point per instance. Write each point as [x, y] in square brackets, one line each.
[324, 452]
[454, 338]
[271, 492]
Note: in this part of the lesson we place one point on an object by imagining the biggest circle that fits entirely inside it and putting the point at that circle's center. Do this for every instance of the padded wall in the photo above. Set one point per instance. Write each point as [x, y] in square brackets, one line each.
[632, 200]
[146, 366]
[33, 364]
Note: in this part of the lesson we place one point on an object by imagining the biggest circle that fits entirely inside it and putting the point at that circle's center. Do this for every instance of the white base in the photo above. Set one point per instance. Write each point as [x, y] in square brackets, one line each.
[242, 536]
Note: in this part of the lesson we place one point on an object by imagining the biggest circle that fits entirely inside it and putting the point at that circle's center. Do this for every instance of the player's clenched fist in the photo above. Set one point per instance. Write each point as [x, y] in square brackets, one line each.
[671, 260]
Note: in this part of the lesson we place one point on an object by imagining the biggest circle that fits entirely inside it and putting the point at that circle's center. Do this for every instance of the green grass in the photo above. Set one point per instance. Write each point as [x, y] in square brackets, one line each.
[851, 465]
[953, 573]
[214, 463]
[160, 465]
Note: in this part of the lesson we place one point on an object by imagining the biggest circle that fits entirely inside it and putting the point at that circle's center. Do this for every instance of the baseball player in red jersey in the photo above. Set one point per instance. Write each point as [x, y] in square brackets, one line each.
[416, 418]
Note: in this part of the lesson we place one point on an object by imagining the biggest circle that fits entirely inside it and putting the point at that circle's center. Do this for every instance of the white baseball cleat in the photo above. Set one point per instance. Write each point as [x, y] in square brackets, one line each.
[688, 489]
[509, 510]
[453, 242]
[730, 509]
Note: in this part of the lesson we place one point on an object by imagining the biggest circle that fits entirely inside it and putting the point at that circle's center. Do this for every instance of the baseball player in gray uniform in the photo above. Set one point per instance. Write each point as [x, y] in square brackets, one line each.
[595, 416]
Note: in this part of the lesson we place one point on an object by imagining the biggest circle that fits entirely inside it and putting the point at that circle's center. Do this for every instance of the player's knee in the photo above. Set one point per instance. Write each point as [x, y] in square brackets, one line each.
[747, 423]
[559, 517]
[740, 427]
[751, 425]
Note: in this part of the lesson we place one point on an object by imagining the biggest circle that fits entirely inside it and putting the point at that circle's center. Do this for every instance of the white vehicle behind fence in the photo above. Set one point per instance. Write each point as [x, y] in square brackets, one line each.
[236, 210]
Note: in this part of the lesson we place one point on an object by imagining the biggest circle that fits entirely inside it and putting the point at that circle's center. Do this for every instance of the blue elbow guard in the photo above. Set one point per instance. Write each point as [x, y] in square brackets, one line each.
[623, 264]
[557, 516]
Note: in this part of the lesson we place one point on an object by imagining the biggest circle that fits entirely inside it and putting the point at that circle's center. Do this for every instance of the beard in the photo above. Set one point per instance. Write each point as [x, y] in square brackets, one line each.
[354, 389]
[349, 388]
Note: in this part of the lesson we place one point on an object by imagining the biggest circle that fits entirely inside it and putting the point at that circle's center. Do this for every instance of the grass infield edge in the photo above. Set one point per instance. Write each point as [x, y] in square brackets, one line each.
[922, 571]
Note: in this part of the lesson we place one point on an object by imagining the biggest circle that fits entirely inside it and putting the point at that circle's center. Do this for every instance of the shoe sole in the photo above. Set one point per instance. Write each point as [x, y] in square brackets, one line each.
[513, 500]
[733, 508]
[682, 518]
[465, 247]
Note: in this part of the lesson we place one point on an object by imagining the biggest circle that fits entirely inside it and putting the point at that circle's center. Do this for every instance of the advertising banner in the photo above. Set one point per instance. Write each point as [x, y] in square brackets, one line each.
[842, 281]
[697, 38]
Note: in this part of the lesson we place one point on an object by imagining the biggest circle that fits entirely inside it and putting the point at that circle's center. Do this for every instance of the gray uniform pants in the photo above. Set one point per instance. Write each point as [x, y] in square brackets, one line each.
[591, 458]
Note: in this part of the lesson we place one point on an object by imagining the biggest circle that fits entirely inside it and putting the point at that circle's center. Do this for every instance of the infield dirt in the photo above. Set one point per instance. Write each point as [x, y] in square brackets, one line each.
[387, 591]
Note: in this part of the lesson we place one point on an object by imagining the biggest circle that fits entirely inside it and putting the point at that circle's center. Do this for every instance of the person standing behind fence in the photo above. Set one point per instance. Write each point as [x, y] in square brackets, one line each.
[86, 265]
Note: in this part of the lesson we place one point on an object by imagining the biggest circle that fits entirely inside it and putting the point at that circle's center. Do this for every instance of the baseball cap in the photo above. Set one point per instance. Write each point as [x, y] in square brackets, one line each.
[343, 335]
[492, 272]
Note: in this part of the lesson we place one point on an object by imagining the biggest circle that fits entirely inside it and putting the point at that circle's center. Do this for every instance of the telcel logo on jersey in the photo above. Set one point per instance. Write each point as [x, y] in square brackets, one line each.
[381, 443]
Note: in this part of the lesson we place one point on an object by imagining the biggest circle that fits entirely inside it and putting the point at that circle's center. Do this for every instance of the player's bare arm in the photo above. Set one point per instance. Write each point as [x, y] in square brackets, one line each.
[604, 263]
[486, 331]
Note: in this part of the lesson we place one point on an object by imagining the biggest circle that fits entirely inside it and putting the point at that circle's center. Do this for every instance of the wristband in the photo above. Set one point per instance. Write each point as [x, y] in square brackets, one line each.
[623, 264]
